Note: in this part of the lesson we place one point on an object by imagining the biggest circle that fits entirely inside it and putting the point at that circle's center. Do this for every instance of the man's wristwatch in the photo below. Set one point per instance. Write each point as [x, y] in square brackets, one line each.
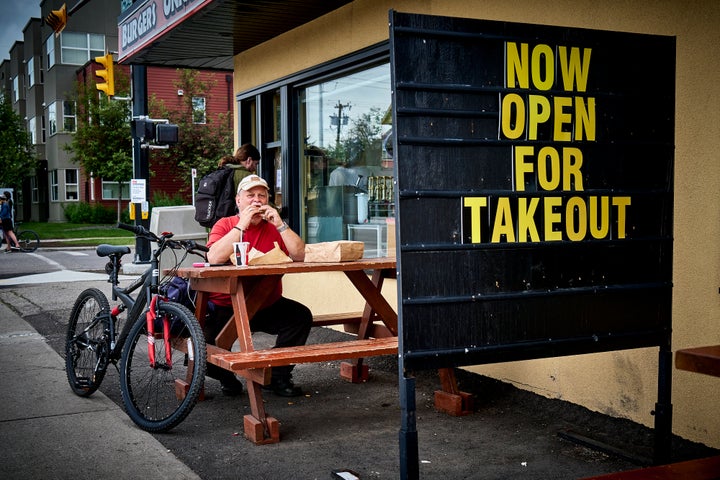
[282, 227]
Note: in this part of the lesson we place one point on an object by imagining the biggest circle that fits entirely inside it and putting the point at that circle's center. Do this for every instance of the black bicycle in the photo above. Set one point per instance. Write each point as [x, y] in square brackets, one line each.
[159, 343]
[28, 240]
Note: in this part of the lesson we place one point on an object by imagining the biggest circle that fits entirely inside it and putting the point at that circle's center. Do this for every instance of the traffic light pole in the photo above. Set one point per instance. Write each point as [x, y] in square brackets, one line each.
[141, 161]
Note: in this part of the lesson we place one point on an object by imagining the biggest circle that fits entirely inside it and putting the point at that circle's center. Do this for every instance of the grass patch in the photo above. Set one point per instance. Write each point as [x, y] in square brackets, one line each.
[87, 234]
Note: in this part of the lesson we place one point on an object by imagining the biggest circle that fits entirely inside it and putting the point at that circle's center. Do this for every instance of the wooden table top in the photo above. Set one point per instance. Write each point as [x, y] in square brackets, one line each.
[382, 263]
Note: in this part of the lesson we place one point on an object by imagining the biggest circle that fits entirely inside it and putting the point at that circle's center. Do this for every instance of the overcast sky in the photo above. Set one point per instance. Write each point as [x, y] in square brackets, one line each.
[14, 16]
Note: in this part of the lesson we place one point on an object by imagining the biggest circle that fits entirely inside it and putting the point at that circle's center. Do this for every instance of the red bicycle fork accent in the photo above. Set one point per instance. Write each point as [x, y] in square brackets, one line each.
[150, 321]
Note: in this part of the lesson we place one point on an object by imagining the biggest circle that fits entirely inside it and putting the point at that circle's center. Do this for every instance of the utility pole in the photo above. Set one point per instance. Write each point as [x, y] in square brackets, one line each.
[339, 120]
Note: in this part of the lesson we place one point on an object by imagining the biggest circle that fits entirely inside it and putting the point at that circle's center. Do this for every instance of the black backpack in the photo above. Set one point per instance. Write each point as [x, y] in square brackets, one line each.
[215, 197]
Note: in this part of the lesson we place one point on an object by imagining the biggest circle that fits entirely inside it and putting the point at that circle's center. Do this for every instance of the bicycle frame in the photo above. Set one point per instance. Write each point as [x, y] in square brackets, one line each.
[148, 283]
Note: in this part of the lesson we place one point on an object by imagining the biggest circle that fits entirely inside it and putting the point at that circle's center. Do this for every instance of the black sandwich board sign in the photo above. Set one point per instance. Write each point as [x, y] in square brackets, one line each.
[534, 196]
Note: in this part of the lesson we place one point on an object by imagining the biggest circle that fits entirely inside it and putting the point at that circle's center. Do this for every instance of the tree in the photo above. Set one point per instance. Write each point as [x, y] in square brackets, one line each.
[16, 148]
[201, 144]
[102, 143]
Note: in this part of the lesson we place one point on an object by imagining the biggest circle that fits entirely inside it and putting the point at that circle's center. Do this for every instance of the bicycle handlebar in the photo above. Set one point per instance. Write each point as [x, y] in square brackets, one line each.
[140, 231]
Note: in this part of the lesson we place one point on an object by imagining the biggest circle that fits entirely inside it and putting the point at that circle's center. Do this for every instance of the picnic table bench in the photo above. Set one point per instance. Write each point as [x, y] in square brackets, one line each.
[376, 330]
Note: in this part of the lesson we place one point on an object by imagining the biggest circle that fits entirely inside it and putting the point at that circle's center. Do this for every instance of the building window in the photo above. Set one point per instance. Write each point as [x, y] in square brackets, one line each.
[52, 118]
[34, 192]
[31, 71]
[42, 129]
[110, 190]
[54, 187]
[32, 129]
[50, 50]
[198, 105]
[339, 174]
[16, 88]
[71, 184]
[79, 48]
[69, 120]
[347, 173]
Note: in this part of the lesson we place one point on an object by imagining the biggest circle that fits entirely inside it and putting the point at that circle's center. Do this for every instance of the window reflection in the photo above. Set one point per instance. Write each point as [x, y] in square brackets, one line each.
[347, 181]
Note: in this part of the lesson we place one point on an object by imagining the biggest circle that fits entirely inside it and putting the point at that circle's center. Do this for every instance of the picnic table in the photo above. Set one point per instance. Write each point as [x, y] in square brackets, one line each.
[376, 330]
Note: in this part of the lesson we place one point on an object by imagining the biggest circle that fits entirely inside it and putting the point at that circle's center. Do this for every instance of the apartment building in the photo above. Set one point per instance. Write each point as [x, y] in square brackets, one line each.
[40, 77]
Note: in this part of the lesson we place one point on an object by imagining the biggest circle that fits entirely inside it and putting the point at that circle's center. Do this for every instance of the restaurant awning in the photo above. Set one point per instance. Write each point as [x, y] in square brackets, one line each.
[208, 33]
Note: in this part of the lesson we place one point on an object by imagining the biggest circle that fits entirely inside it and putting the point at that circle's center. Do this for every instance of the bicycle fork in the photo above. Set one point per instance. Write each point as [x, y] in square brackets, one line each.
[151, 315]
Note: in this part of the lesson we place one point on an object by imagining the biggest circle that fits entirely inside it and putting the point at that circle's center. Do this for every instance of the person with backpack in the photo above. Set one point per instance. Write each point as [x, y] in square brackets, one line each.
[244, 162]
[215, 196]
[259, 224]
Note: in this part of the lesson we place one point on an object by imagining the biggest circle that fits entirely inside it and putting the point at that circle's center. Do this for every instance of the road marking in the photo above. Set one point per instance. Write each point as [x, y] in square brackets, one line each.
[77, 254]
[63, 276]
[47, 260]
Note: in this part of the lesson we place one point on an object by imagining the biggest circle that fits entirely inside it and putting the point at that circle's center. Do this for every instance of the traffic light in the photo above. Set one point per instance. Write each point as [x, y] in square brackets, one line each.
[57, 19]
[107, 74]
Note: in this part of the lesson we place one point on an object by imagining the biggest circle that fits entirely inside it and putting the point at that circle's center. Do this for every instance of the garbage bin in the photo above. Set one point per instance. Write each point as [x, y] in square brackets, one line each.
[179, 220]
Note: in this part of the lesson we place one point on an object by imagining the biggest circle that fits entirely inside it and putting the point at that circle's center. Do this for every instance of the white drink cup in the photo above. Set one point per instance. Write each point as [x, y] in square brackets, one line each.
[241, 251]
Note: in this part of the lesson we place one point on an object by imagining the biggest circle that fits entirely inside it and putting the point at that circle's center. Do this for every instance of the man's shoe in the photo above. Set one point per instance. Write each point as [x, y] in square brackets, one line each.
[231, 386]
[15, 248]
[284, 387]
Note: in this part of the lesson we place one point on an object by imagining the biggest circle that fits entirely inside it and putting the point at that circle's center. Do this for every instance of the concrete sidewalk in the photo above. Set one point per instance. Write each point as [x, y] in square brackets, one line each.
[48, 432]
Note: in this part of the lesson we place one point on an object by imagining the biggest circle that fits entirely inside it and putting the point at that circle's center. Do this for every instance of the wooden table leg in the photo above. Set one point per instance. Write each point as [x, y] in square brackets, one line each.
[450, 399]
[259, 427]
[356, 371]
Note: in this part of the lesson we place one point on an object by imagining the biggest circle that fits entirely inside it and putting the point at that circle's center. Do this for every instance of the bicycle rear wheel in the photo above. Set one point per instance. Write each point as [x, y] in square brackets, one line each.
[28, 240]
[87, 347]
[158, 397]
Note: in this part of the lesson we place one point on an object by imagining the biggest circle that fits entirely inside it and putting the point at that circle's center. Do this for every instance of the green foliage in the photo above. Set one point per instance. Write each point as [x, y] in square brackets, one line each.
[200, 145]
[162, 199]
[86, 213]
[16, 149]
[362, 140]
[102, 144]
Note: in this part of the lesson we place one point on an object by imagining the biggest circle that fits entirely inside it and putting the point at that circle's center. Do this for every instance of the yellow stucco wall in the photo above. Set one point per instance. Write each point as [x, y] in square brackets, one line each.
[622, 384]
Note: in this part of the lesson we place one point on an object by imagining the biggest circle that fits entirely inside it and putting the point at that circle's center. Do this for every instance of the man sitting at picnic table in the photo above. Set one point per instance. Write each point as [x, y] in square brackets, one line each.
[259, 224]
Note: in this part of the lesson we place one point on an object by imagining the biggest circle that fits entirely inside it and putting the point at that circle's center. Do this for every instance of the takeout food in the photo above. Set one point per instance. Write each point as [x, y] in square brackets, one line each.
[338, 251]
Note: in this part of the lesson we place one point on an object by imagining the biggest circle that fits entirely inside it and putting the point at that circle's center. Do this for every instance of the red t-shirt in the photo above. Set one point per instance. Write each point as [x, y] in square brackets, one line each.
[262, 237]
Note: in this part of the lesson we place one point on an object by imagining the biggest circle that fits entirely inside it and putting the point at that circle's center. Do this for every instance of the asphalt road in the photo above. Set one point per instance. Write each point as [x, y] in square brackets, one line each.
[511, 434]
[45, 260]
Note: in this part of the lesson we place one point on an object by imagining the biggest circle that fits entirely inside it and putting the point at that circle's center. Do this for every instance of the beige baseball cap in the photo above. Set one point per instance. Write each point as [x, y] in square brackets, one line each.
[252, 181]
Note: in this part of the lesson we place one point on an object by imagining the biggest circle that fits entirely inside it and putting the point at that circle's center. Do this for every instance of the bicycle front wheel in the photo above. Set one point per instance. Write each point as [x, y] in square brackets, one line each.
[28, 240]
[161, 378]
[87, 347]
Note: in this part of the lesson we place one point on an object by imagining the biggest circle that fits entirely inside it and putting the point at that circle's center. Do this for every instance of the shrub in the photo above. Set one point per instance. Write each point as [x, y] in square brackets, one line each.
[162, 199]
[85, 213]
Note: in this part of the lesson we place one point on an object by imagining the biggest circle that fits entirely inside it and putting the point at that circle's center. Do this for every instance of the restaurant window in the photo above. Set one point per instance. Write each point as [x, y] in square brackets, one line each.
[324, 136]
[345, 122]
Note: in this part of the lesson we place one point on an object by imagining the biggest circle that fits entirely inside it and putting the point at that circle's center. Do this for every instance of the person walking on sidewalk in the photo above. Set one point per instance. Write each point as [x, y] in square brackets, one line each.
[7, 223]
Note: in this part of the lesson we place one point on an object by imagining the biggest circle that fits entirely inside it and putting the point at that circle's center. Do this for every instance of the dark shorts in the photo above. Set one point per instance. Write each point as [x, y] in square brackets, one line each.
[7, 225]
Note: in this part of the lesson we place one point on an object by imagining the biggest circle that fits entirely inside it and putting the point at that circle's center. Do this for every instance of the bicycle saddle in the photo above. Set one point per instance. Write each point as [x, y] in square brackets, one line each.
[105, 250]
